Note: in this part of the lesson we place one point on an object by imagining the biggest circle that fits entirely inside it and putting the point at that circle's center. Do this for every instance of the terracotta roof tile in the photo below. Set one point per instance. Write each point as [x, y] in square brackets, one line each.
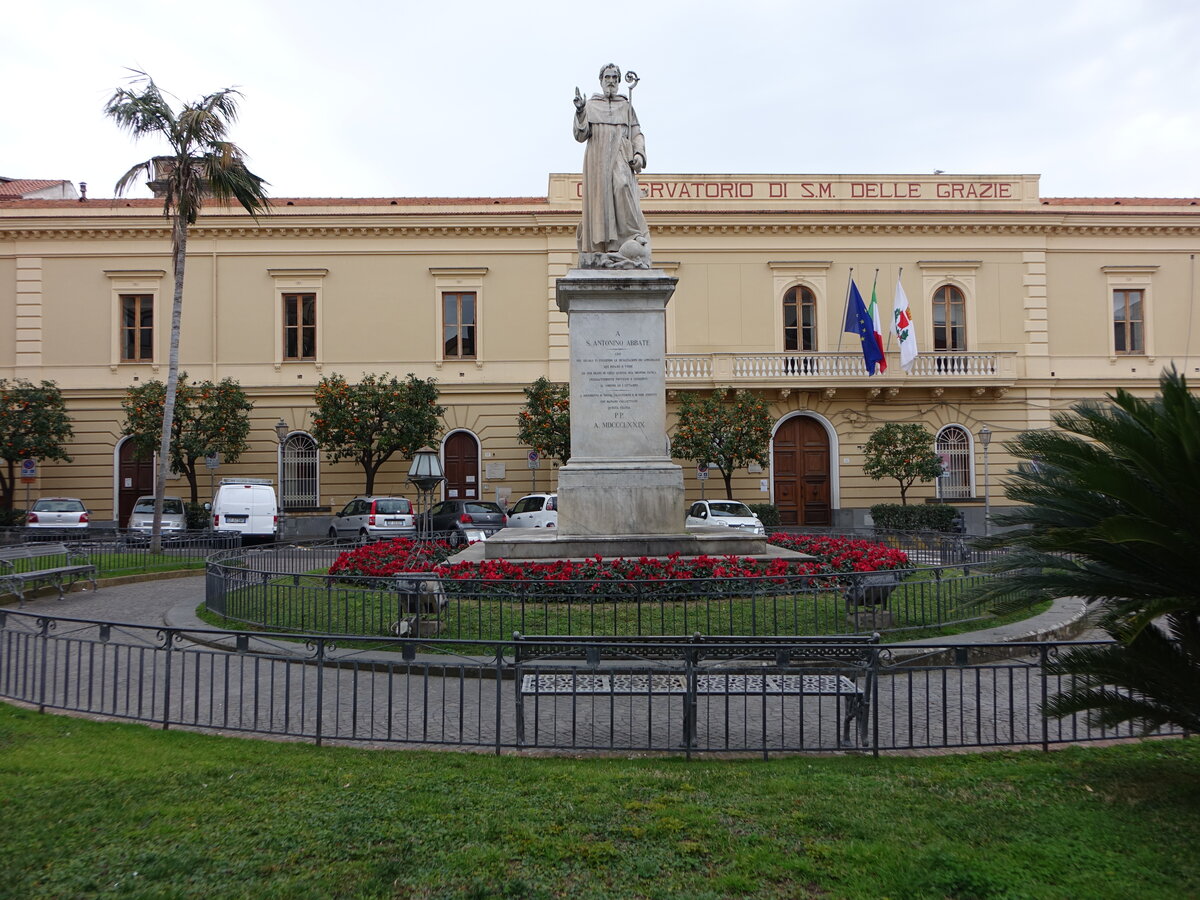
[1120, 201]
[280, 202]
[16, 187]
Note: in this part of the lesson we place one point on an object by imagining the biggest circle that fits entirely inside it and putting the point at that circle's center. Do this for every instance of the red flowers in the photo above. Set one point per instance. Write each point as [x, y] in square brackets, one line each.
[833, 556]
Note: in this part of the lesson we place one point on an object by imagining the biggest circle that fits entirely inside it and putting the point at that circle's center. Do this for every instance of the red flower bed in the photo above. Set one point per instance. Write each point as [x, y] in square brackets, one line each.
[833, 556]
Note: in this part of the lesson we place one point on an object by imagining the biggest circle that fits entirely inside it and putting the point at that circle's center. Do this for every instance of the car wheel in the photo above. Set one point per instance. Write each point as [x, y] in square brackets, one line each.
[457, 539]
[363, 536]
[333, 535]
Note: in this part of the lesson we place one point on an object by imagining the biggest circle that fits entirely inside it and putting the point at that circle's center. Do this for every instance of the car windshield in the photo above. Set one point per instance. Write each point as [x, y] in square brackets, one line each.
[172, 506]
[484, 508]
[393, 506]
[740, 510]
[58, 506]
[528, 504]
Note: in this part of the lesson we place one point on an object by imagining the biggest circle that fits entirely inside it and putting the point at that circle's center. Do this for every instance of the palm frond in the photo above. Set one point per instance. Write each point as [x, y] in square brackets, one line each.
[1153, 679]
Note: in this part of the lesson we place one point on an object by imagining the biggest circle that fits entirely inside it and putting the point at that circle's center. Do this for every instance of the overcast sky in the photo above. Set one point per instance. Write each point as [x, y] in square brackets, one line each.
[357, 98]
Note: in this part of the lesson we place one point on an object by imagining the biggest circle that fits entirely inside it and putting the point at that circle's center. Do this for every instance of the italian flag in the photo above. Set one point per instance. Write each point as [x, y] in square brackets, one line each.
[873, 309]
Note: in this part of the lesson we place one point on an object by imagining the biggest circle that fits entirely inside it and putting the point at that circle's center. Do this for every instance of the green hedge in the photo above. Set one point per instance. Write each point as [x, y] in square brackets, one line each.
[767, 513]
[198, 518]
[926, 517]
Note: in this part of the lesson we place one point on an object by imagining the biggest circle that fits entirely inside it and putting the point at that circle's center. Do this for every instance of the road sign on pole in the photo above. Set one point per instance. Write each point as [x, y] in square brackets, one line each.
[702, 471]
[28, 470]
[535, 461]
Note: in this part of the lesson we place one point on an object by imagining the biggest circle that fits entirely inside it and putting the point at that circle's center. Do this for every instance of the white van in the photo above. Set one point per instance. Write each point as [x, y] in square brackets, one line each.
[247, 506]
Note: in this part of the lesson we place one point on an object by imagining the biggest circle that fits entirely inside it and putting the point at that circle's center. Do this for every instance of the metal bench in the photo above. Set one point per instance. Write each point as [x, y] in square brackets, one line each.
[75, 565]
[699, 665]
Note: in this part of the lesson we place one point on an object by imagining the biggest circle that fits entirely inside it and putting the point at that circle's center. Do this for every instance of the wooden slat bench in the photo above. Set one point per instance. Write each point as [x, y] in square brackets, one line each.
[42, 569]
[567, 665]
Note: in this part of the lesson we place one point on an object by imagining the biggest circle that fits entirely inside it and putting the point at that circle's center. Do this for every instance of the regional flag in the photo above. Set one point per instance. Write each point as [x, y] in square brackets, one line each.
[902, 324]
[874, 310]
[858, 320]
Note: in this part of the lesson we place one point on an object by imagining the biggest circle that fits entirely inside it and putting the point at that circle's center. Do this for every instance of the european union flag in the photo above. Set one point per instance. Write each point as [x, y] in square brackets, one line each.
[859, 321]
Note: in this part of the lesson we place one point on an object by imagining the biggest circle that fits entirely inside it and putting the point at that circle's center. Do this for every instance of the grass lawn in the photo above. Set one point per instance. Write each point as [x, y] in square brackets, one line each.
[316, 604]
[96, 809]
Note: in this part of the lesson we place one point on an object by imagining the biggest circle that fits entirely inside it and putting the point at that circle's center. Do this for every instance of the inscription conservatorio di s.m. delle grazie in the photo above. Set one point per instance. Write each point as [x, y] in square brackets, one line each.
[801, 191]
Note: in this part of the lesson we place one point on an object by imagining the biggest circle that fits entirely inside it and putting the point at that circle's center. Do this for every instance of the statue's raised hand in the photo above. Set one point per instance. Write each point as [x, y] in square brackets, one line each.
[579, 101]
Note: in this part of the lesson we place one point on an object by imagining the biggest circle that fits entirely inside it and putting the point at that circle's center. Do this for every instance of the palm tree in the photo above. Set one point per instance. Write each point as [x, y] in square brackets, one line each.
[202, 164]
[1110, 512]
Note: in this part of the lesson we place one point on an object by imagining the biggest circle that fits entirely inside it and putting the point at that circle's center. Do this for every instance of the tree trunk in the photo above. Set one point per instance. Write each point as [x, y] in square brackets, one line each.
[8, 488]
[190, 471]
[728, 476]
[179, 237]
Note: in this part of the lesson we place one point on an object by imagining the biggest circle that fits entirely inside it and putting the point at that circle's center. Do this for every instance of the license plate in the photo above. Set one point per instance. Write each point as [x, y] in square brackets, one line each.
[236, 519]
[393, 521]
[475, 535]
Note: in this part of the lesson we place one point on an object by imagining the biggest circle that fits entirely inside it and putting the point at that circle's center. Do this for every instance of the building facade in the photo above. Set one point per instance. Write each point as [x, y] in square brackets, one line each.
[1022, 305]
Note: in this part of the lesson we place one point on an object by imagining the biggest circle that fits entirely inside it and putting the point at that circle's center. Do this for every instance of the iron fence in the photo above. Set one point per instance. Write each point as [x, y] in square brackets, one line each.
[117, 553]
[470, 694]
[285, 588]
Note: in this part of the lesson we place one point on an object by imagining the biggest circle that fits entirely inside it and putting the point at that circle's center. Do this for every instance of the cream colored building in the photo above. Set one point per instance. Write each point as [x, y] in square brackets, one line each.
[1023, 305]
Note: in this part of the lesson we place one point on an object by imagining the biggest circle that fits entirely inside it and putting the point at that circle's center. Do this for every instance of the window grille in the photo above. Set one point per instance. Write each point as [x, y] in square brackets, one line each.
[954, 447]
[298, 476]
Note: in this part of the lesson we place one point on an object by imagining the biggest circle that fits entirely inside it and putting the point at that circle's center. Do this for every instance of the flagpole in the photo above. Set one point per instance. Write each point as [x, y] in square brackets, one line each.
[846, 308]
[892, 330]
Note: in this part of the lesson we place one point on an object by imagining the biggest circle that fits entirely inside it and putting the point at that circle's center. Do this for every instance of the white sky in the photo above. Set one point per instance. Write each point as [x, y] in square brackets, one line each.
[358, 98]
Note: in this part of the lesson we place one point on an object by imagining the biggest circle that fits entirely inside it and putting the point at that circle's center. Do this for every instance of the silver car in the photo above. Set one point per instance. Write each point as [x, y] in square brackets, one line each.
[374, 518]
[730, 513]
[173, 519]
[57, 512]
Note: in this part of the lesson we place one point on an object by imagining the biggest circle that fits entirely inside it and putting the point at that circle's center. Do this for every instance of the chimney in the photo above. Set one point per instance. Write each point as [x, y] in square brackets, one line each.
[82, 191]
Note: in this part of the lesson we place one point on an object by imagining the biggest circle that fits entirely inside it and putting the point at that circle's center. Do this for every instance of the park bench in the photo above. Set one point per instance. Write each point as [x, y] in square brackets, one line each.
[48, 563]
[699, 665]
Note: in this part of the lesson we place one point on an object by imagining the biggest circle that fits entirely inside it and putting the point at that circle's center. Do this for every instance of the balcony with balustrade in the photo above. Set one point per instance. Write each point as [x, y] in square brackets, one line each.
[824, 371]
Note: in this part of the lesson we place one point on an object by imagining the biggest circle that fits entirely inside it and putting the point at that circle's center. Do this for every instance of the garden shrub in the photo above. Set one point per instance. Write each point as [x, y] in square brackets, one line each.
[198, 518]
[930, 517]
[768, 513]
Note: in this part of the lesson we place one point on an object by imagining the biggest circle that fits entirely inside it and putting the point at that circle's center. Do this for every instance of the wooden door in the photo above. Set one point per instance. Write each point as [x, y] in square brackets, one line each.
[135, 477]
[461, 455]
[800, 471]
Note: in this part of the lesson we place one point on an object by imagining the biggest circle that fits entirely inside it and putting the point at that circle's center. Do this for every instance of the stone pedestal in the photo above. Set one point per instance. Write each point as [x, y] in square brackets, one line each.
[620, 479]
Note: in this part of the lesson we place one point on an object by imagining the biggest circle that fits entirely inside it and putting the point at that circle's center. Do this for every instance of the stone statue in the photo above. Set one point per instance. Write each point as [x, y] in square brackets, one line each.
[613, 233]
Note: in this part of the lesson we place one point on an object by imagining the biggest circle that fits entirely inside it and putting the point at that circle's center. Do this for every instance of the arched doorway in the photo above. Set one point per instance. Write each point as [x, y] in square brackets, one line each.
[800, 472]
[460, 461]
[135, 477]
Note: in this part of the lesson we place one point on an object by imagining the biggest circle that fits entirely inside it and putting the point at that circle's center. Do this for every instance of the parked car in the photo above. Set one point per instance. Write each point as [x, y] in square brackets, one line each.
[173, 518]
[57, 512]
[534, 511]
[729, 513]
[374, 518]
[246, 506]
[463, 521]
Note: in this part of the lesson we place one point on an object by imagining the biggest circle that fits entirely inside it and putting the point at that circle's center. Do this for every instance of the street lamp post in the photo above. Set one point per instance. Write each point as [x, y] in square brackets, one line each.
[985, 438]
[425, 474]
[281, 432]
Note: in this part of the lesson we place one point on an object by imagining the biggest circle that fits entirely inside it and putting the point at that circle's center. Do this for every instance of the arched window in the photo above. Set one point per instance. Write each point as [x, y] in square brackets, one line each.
[949, 319]
[799, 319]
[953, 445]
[298, 487]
